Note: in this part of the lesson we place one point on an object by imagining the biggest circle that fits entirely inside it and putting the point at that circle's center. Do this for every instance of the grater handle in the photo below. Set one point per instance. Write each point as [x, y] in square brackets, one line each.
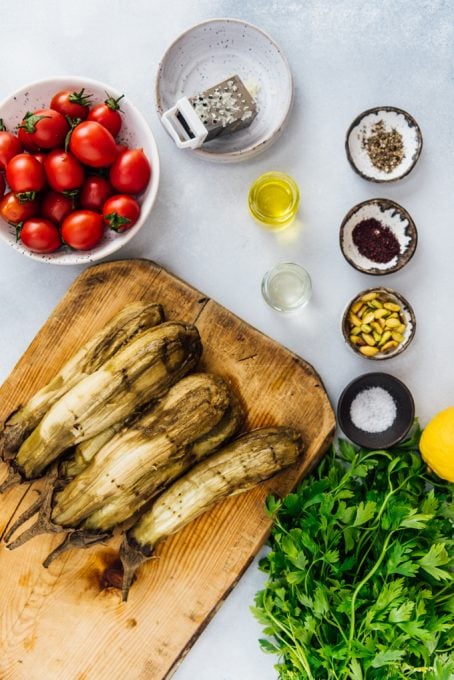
[178, 132]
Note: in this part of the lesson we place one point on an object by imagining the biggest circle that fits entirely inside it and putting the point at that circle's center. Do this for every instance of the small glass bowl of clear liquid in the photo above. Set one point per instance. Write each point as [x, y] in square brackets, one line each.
[287, 287]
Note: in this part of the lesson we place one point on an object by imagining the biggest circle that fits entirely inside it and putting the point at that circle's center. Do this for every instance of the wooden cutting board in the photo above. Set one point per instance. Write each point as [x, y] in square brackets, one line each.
[61, 623]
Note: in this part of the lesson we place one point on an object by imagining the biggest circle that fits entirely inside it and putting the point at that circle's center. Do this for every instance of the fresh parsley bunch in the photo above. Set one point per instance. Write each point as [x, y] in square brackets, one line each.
[361, 570]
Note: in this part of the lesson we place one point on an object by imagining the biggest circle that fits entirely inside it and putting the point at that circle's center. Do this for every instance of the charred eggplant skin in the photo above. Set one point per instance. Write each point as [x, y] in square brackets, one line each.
[139, 458]
[129, 322]
[149, 486]
[234, 469]
[143, 370]
[193, 419]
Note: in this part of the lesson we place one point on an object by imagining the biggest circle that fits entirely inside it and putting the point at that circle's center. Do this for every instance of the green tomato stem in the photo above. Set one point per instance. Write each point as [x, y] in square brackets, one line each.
[30, 122]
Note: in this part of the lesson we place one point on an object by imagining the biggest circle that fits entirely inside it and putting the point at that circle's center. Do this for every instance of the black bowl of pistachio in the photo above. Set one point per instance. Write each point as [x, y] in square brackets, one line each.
[378, 323]
[383, 144]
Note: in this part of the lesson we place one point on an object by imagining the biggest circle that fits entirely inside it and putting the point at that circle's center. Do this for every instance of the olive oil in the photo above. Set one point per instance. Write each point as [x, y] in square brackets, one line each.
[274, 200]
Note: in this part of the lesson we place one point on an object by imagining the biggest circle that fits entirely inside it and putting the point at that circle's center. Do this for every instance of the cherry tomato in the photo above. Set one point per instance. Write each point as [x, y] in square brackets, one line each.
[25, 175]
[63, 171]
[43, 129]
[108, 114]
[72, 104]
[121, 212]
[2, 185]
[27, 143]
[40, 236]
[95, 192]
[55, 207]
[121, 148]
[13, 211]
[131, 172]
[93, 144]
[10, 146]
[83, 229]
[40, 156]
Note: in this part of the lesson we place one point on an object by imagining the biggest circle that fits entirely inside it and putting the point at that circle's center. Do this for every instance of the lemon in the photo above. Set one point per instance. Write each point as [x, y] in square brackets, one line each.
[437, 444]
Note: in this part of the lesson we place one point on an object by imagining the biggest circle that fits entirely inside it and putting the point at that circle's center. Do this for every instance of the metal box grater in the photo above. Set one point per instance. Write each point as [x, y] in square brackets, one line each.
[222, 109]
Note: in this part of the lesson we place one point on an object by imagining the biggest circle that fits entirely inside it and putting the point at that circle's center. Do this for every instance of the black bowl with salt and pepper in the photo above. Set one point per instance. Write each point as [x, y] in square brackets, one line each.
[378, 237]
[383, 144]
[376, 410]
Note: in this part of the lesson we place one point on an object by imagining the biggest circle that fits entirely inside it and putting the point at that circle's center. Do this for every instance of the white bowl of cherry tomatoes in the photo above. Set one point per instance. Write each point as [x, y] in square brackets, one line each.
[79, 170]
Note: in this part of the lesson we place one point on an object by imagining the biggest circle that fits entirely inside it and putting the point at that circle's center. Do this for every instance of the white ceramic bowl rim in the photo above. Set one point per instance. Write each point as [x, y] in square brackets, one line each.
[83, 257]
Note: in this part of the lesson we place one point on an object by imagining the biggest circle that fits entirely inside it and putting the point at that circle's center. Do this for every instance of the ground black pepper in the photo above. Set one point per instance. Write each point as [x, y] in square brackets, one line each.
[385, 148]
[375, 241]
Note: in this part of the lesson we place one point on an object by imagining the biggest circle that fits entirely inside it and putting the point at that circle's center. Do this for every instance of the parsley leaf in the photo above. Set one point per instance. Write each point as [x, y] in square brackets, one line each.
[360, 570]
[386, 657]
[364, 512]
[431, 562]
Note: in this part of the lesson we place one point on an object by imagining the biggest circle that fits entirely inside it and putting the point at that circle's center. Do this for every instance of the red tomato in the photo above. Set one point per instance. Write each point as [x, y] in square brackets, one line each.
[10, 146]
[121, 148]
[121, 212]
[63, 171]
[43, 129]
[131, 172]
[72, 104]
[40, 236]
[95, 192]
[25, 175]
[83, 229]
[55, 207]
[13, 211]
[28, 144]
[2, 185]
[108, 114]
[40, 156]
[93, 144]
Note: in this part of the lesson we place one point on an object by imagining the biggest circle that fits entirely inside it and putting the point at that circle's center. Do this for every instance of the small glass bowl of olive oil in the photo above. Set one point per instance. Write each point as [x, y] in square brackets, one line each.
[287, 287]
[274, 200]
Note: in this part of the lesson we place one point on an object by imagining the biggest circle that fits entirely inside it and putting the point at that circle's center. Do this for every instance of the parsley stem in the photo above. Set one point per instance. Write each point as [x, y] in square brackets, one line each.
[376, 524]
[336, 624]
[300, 653]
[308, 571]
[363, 582]
[297, 650]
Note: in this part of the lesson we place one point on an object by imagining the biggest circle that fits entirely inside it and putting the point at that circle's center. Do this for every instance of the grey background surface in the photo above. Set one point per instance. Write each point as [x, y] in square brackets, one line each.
[346, 56]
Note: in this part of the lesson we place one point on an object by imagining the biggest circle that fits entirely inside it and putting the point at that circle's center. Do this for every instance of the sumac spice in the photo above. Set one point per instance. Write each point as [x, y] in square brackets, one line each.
[375, 241]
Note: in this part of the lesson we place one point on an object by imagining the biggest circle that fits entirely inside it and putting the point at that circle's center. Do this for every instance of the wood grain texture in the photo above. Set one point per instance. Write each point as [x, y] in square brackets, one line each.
[61, 623]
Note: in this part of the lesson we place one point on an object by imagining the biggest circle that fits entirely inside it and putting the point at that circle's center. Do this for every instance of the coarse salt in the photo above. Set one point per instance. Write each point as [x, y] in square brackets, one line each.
[373, 410]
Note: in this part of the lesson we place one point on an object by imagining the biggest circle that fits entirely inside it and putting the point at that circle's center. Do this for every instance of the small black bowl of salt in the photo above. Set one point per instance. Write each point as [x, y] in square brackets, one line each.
[376, 410]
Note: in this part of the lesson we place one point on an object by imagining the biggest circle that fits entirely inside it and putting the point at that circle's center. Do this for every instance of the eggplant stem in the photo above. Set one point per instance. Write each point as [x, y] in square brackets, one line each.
[131, 559]
[75, 539]
[12, 479]
[43, 524]
[34, 507]
[10, 437]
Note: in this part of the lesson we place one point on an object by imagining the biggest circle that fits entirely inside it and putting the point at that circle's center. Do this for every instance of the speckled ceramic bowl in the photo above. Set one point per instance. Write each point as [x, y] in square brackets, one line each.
[363, 127]
[389, 214]
[135, 132]
[405, 411]
[214, 50]
[407, 312]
